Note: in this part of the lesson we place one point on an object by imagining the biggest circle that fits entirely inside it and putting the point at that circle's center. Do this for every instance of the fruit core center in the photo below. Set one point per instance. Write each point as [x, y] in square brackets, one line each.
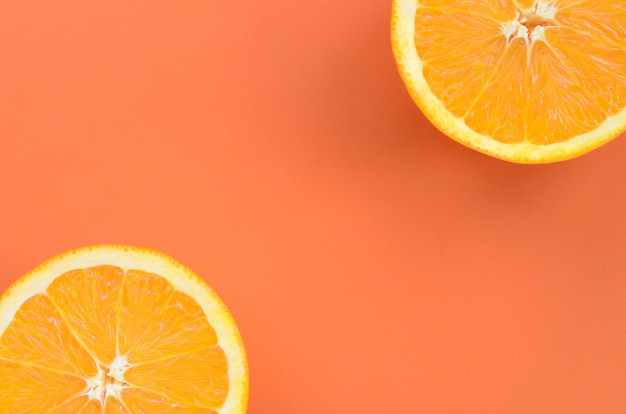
[109, 382]
[532, 20]
[530, 24]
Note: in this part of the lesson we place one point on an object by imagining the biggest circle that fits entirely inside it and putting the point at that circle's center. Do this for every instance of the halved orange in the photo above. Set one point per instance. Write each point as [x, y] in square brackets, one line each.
[529, 81]
[118, 329]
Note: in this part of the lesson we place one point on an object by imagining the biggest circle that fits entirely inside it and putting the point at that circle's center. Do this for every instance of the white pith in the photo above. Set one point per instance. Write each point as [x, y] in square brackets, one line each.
[108, 382]
[518, 27]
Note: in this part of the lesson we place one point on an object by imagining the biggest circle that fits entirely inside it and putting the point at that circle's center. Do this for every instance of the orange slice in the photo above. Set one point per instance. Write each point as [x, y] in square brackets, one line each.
[117, 329]
[529, 81]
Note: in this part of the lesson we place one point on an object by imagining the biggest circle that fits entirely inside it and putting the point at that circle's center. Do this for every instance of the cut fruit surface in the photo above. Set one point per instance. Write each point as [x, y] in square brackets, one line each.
[118, 329]
[529, 81]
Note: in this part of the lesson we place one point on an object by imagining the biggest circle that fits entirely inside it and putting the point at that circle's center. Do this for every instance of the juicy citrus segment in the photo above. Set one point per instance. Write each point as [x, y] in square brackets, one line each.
[195, 388]
[497, 114]
[95, 326]
[498, 9]
[114, 406]
[30, 389]
[142, 401]
[523, 4]
[599, 66]
[151, 296]
[527, 80]
[466, 64]
[49, 344]
[554, 116]
[92, 407]
[115, 329]
[80, 404]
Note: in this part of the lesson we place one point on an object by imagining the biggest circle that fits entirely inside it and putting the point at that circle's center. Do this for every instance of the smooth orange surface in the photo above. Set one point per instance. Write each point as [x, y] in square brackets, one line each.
[371, 263]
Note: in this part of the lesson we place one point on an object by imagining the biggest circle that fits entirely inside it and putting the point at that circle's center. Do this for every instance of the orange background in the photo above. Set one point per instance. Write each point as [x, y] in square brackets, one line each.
[373, 265]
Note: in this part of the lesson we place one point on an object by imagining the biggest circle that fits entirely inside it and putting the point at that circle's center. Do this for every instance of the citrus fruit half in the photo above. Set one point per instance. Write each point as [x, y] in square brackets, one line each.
[118, 329]
[529, 81]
